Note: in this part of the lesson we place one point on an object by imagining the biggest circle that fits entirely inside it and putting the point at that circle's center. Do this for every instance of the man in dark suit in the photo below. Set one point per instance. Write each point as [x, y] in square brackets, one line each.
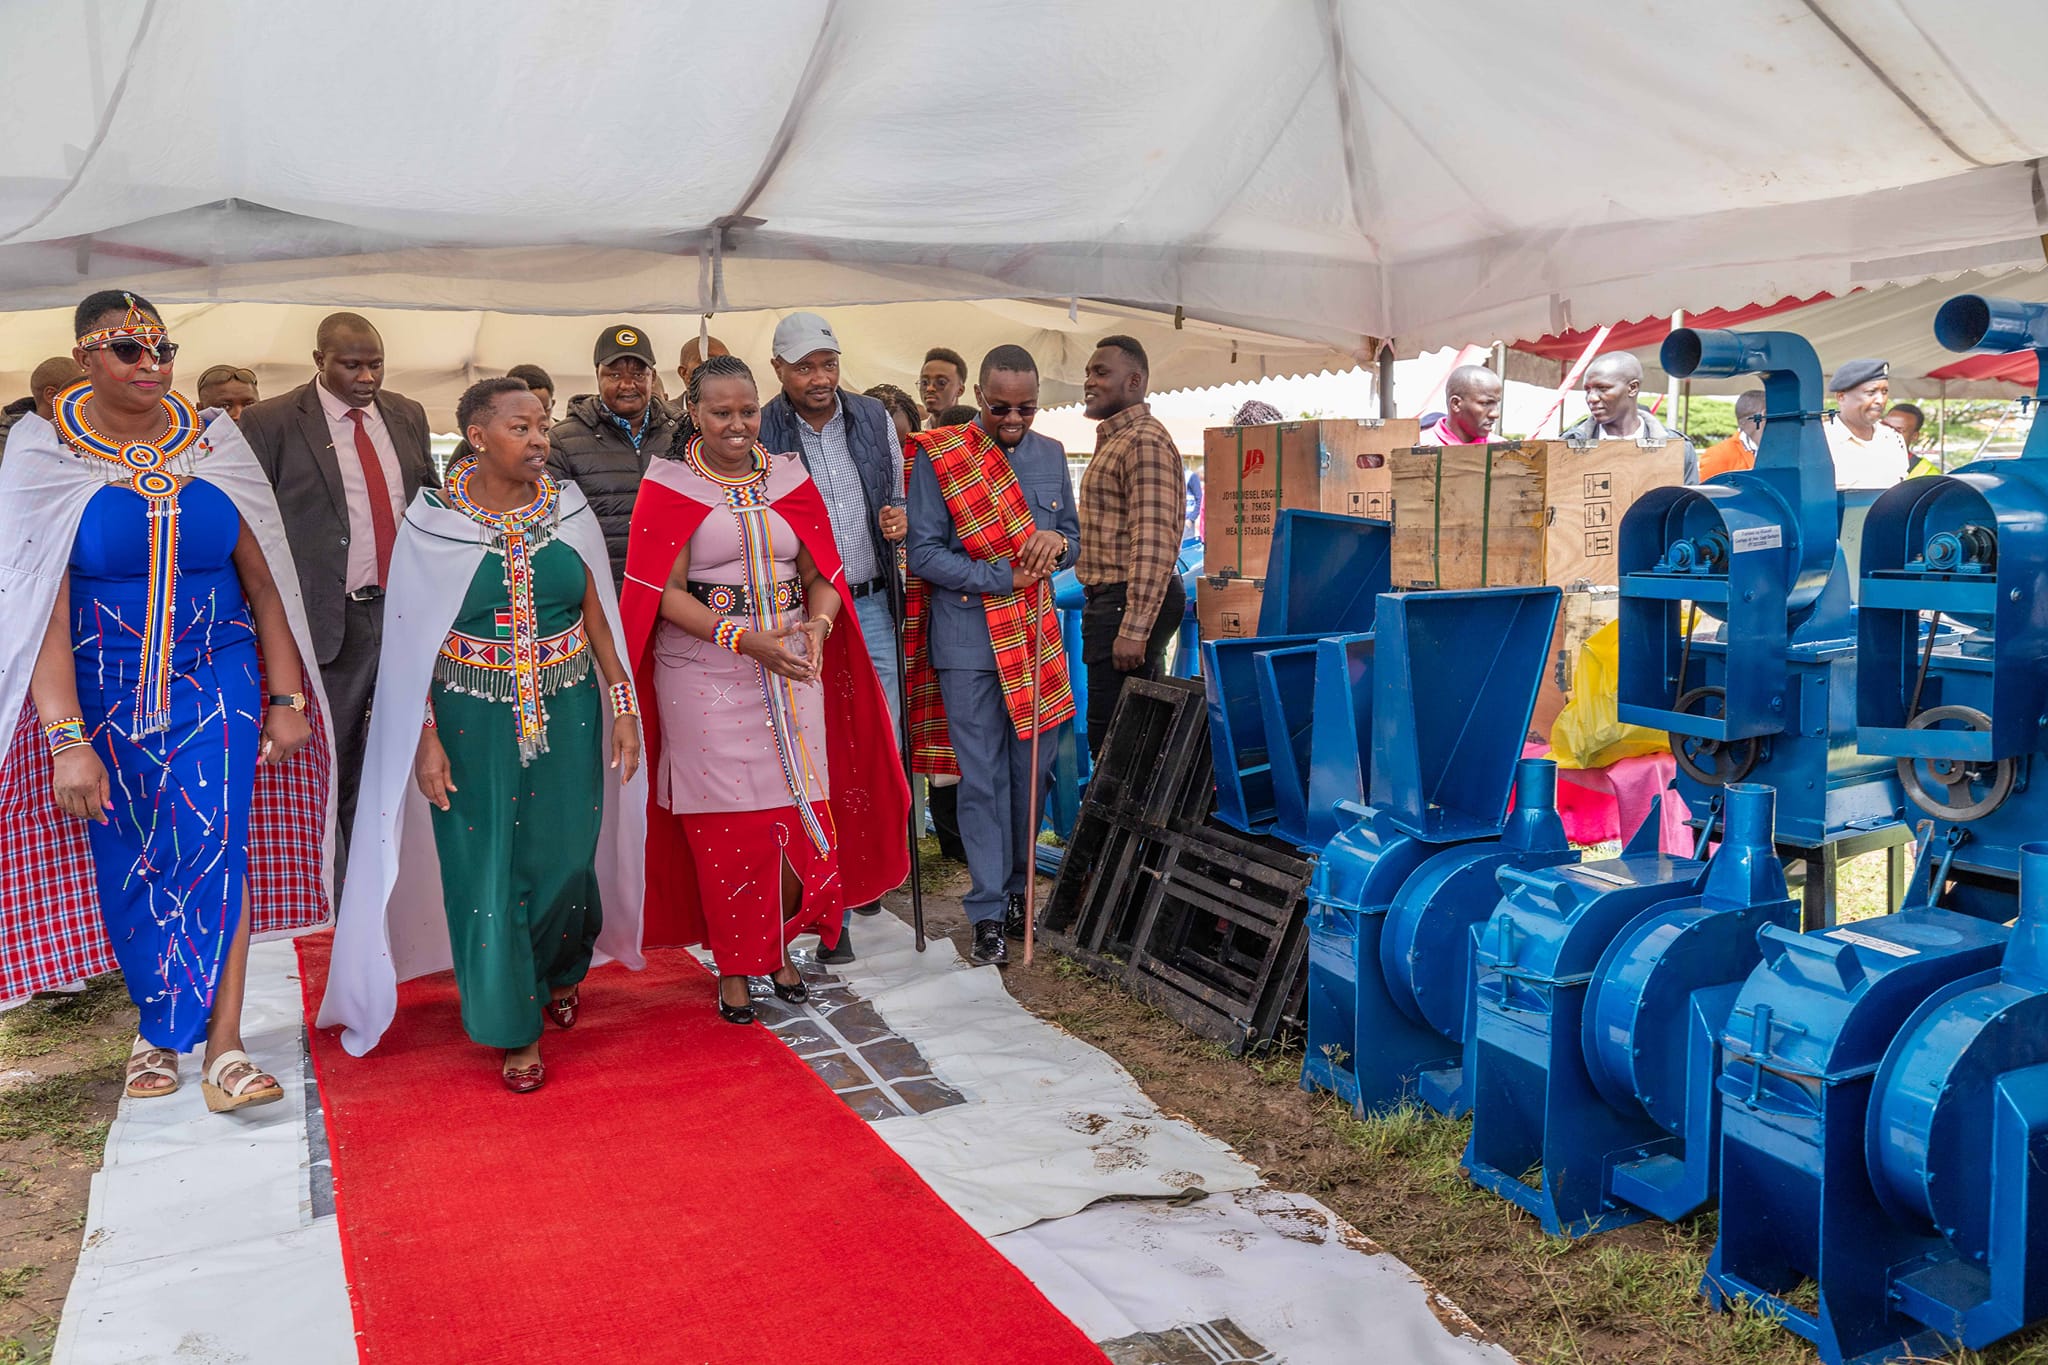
[346, 459]
[998, 824]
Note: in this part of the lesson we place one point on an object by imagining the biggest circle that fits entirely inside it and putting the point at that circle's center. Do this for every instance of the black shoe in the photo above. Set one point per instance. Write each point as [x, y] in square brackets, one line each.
[871, 908]
[1013, 918]
[842, 953]
[989, 945]
[734, 1014]
[793, 995]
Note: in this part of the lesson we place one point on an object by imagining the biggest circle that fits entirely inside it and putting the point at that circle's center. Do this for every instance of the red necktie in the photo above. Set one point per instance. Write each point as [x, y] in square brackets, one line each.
[382, 523]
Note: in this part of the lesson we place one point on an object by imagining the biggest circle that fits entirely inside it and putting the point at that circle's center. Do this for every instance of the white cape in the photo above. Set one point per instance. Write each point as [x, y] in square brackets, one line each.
[392, 927]
[44, 487]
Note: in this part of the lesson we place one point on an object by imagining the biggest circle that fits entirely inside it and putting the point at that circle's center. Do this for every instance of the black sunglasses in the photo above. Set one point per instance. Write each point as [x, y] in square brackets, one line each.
[1005, 409]
[130, 352]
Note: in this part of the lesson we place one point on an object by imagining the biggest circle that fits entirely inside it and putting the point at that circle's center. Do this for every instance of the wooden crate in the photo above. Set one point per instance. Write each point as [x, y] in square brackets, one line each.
[1582, 613]
[1251, 474]
[1519, 514]
[1228, 608]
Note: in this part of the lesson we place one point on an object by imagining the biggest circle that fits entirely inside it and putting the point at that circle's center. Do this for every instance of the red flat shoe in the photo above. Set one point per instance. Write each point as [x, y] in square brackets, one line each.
[525, 1080]
[563, 1011]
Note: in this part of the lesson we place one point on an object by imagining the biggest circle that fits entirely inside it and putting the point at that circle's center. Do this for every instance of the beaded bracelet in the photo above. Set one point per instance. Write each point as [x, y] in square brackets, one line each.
[623, 701]
[430, 723]
[68, 733]
[727, 635]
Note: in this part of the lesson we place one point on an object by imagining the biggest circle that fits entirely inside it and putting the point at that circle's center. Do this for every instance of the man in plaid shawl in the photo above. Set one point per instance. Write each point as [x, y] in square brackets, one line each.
[992, 518]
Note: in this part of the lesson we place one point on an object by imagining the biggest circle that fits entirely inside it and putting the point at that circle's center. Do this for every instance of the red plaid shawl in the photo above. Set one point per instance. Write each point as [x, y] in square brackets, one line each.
[993, 522]
[50, 927]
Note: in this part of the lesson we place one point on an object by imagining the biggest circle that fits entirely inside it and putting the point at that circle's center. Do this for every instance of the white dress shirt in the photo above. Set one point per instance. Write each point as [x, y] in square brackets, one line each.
[1878, 462]
[362, 532]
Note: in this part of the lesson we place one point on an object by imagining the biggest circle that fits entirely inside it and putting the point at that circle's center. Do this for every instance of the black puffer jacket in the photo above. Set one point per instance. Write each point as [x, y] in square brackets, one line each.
[589, 450]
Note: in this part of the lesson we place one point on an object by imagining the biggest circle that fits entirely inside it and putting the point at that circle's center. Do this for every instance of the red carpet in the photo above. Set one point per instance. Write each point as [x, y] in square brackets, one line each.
[681, 1190]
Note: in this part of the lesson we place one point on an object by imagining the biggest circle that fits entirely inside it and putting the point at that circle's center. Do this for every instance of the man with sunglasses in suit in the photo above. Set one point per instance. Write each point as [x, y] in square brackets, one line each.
[346, 458]
[967, 607]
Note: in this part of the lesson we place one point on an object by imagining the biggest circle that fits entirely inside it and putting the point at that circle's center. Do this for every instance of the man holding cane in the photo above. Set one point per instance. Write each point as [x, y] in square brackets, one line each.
[992, 517]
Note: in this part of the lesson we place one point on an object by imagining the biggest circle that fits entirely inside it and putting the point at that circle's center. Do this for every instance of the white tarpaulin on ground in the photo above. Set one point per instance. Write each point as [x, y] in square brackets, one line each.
[1336, 170]
[1259, 1277]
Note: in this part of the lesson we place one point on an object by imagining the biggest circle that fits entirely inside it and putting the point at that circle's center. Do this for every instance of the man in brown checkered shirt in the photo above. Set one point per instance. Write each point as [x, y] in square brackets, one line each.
[1133, 506]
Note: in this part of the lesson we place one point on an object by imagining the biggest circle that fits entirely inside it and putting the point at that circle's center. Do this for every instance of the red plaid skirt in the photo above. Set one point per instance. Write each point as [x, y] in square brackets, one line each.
[50, 930]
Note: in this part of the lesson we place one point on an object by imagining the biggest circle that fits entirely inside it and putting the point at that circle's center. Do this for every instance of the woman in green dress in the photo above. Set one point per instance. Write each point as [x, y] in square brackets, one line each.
[510, 750]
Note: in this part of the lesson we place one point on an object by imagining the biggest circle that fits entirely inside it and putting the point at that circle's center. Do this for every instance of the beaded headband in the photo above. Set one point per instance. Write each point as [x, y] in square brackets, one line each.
[136, 326]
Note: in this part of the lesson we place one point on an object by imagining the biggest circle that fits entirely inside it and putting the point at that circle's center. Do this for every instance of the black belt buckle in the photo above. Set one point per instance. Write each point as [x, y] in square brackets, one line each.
[366, 594]
[873, 585]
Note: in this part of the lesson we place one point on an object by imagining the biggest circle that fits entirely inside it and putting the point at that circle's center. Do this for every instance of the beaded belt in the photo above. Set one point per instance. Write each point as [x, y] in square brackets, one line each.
[737, 599]
[484, 667]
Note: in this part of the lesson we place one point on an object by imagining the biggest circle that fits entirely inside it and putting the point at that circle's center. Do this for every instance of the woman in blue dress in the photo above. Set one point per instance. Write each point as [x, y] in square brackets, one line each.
[167, 673]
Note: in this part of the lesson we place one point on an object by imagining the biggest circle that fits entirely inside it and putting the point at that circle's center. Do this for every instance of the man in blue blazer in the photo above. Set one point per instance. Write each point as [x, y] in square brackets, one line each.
[997, 823]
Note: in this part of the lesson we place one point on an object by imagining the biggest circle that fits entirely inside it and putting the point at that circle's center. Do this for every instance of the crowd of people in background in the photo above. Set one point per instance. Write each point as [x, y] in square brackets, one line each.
[646, 671]
[651, 671]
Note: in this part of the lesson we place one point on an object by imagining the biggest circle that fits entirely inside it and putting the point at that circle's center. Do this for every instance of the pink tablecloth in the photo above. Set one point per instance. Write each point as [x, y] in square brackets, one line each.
[1599, 805]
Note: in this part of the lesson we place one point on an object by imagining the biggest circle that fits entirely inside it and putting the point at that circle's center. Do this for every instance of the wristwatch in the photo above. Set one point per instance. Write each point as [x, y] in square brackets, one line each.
[295, 700]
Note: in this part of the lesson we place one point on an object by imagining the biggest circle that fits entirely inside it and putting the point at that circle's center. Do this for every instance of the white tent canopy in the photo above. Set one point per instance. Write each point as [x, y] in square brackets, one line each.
[1335, 170]
[433, 355]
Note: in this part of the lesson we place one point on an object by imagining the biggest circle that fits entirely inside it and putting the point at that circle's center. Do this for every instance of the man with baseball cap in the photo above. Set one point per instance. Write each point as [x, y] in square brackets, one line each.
[848, 443]
[604, 443]
[1868, 454]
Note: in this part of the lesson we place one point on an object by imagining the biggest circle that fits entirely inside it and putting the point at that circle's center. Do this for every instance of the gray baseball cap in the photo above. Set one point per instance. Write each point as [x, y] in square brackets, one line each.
[799, 334]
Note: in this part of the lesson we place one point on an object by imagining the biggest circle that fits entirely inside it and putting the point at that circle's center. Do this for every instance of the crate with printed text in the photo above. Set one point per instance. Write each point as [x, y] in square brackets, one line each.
[1251, 474]
[1519, 513]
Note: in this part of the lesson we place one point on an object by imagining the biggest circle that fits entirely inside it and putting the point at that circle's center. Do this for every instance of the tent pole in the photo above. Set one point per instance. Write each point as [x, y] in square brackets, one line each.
[1941, 428]
[1671, 381]
[1385, 381]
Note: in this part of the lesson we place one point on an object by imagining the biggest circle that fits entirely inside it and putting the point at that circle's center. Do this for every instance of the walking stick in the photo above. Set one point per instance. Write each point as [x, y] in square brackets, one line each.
[1031, 808]
[896, 605]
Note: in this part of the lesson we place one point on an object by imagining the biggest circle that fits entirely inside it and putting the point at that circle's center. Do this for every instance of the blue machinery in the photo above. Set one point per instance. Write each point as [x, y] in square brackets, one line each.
[1772, 699]
[1963, 711]
[1327, 575]
[1885, 1093]
[1603, 989]
[1395, 896]
[1641, 1036]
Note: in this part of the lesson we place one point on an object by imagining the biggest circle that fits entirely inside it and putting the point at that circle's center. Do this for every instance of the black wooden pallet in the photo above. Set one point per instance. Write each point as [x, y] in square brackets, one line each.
[1204, 922]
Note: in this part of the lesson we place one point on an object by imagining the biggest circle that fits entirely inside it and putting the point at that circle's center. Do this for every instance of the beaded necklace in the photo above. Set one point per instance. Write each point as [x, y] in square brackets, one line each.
[517, 535]
[747, 496]
[146, 468]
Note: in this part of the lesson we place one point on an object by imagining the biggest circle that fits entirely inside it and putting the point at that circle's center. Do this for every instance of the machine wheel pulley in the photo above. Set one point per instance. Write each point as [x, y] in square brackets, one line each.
[1713, 762]
[1953, 788]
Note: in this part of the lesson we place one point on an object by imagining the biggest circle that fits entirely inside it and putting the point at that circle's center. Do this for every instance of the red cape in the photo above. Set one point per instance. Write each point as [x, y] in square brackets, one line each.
[870, 797]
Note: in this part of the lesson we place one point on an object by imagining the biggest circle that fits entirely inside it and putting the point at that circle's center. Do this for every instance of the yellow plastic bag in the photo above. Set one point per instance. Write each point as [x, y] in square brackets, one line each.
[1587, 732]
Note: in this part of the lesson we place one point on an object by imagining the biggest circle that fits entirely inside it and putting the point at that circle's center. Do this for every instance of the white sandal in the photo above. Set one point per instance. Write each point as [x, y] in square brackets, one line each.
[245, 1090]
[153, 1061]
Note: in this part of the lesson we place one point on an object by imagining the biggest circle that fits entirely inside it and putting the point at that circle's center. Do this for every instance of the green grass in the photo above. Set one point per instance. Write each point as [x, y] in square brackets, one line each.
[42, 1026]
[15, 1351]
[14, 1282]
[55, 1108]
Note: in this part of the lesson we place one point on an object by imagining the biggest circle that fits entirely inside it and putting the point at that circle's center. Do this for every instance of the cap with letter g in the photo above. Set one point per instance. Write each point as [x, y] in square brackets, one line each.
[623, 339]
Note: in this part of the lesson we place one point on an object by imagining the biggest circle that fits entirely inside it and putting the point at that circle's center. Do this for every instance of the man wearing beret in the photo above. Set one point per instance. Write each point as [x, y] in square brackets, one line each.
[605, 442]
[1868, 454]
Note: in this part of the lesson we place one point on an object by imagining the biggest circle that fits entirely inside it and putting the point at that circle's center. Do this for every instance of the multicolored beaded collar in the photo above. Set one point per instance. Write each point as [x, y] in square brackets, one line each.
[747, 497]
[148, 467]
[693, 456]
[518, 535]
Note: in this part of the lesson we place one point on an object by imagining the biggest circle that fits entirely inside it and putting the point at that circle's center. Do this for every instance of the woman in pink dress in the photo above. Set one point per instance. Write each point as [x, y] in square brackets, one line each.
[776, 792]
